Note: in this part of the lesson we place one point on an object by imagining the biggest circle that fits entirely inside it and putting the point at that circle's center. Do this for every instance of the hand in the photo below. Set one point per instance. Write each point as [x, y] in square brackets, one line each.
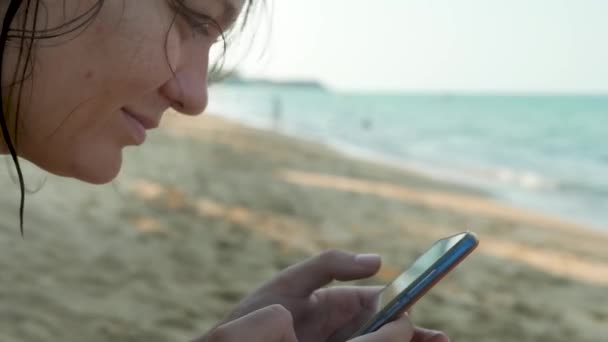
[270, 324]
[402, 330]
[333, 314]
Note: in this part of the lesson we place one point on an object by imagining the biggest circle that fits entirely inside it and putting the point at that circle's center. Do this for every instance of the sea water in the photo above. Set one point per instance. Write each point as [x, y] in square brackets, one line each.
[546, 153]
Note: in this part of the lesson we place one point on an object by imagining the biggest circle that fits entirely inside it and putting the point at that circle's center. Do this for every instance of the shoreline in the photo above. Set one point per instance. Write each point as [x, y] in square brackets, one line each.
[413, 167]
[422, 192]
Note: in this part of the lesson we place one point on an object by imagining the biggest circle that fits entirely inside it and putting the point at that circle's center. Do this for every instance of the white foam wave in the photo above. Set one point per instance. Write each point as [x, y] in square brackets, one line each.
[525, 179]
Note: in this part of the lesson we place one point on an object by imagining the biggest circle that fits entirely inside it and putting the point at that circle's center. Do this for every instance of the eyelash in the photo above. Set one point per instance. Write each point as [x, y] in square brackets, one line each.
[202, 27]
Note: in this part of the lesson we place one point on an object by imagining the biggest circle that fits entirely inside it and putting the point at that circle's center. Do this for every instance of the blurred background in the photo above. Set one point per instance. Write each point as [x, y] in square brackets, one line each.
[367, 126]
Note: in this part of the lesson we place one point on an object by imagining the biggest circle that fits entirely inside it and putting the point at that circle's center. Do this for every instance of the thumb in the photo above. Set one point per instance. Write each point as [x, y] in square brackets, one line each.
[304, 278]
[270, 324]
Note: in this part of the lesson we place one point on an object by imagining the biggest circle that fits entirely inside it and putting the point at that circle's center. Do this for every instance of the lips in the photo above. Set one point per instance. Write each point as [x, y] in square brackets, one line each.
[146, 121]
[138, 124]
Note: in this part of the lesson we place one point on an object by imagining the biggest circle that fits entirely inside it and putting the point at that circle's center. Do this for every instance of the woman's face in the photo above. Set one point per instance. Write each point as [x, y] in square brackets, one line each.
[135, 59]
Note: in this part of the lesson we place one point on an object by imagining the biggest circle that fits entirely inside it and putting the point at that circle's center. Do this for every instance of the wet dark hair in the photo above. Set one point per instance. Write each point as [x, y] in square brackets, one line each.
[26, 34]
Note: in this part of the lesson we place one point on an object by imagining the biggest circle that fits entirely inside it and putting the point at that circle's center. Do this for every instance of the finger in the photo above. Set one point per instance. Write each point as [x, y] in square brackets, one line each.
[426, 335]
[369, 301]
[351, 298]
[270, 324]
[396, 331]
[304, 278]
[369, 296]
[347, 308]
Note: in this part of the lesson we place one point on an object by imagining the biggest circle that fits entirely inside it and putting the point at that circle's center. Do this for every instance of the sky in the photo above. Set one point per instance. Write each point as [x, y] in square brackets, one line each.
[517, 46]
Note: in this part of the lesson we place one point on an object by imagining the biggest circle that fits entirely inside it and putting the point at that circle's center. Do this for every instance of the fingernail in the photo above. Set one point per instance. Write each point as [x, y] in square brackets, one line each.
[367, 260]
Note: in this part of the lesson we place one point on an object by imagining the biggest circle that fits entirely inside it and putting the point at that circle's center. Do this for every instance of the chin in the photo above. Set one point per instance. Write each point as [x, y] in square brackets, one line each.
[97, 171]
[91, 162]
[98, 178]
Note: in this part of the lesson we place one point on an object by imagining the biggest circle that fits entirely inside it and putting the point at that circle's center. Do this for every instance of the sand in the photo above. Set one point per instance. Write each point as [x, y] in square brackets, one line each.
[208, 209]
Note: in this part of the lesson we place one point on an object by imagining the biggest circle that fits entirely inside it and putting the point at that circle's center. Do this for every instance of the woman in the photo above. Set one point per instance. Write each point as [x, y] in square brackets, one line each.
[82, 79]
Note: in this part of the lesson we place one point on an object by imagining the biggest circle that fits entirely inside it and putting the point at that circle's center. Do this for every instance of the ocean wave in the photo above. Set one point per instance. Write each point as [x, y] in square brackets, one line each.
[595, 190]
[528, 180]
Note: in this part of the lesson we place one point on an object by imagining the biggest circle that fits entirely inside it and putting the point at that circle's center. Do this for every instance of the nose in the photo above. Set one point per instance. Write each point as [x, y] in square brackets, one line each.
[187, 89]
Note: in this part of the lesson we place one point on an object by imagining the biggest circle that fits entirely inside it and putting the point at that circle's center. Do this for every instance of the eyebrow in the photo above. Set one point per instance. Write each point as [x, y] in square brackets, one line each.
[228, 12]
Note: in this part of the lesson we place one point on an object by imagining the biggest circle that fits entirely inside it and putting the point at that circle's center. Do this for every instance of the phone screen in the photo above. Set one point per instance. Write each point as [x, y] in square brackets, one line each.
[426, 260]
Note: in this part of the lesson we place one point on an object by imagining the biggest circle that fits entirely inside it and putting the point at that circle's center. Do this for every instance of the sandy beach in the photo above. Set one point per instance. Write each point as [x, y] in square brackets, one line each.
[209, 209]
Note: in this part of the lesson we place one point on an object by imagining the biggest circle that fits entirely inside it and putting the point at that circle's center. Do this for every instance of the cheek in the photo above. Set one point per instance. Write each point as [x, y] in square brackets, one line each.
[100, 71]
[73, 125]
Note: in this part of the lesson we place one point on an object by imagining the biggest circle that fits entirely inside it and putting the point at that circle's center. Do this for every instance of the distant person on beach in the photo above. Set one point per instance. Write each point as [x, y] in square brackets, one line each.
[277, 112]
[82, 79]
[367, 124]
